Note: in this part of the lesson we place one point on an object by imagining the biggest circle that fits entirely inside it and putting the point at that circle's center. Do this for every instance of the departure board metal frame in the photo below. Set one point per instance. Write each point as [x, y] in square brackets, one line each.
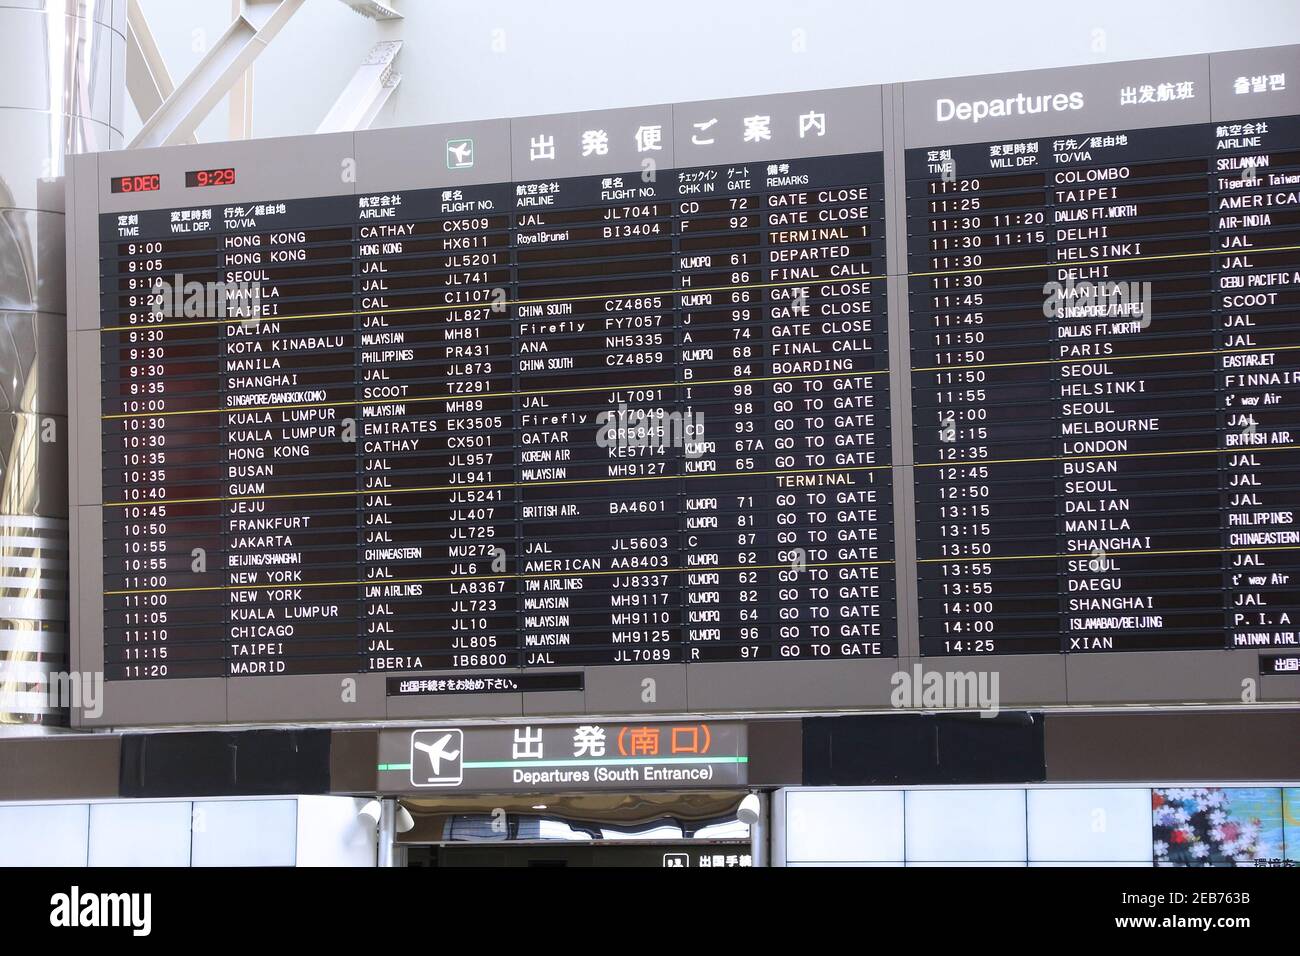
[639, 203]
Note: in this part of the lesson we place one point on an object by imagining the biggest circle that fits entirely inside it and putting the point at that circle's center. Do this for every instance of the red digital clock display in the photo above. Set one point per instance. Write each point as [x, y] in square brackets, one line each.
[210, 177]
[147, 183]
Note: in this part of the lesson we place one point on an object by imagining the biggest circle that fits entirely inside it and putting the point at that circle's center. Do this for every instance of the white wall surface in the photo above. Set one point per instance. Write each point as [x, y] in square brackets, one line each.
[966, 826]
[816, 830]
[1095, 826]
[244, 833]
[53, 835]
[330, 834]
[140, 833]
[976, 826]
[476, 59]
[276, 831]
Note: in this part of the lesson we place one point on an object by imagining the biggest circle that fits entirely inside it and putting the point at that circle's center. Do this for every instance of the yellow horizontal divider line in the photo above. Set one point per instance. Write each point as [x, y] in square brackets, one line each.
[720, 288]
[1095, 262]
[680, 384]
[444, 398]
[1112, 554]
[145, 502]
[712, 381]
[1107, 358]
[500, 577]
[1123, 454]
[702, 568]
[487, 305]
[504, 484]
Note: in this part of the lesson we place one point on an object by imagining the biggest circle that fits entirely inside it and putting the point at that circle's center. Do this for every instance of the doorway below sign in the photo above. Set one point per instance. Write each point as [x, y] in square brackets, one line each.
[675, 830]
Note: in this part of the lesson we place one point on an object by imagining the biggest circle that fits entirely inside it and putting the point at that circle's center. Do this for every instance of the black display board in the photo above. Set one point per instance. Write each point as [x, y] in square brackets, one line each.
[827, 383]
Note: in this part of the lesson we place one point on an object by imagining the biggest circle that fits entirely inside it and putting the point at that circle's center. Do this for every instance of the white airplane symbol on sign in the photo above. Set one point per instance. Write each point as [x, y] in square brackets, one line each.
[437, 752]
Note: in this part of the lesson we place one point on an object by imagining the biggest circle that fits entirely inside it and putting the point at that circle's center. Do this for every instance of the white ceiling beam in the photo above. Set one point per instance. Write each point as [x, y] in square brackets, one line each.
[374, 9]
[193, 99]
[240, 119]
[147, 79]
[389, 85]
[367, 91]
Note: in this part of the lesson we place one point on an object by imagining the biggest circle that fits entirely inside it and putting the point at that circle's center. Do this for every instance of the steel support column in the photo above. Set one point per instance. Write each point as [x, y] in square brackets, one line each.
[760, 832]
[387, 850]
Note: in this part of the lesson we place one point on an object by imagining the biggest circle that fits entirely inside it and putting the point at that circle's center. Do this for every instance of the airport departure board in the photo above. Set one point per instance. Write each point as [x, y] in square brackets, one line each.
[741, 405]
[1103, 473]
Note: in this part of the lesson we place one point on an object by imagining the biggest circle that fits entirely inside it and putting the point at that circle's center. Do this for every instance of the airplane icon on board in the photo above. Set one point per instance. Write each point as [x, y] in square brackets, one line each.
[460, 153]
[437, 747]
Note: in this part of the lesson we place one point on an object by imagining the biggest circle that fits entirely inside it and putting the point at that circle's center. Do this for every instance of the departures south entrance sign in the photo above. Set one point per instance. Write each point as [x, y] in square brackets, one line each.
[547, 757]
